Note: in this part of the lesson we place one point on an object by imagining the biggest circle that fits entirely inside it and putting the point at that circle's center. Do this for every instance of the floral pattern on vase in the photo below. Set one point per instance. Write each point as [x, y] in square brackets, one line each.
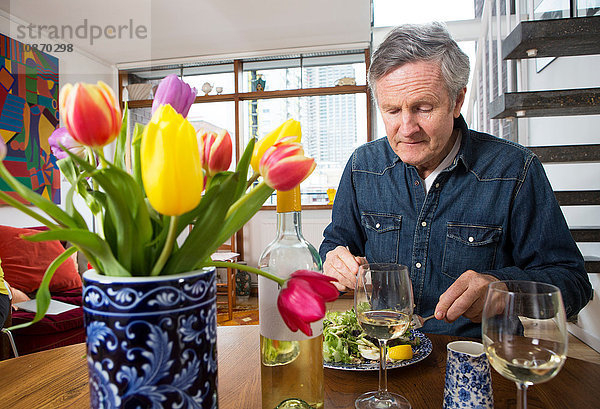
[468, 382]
[151, 341]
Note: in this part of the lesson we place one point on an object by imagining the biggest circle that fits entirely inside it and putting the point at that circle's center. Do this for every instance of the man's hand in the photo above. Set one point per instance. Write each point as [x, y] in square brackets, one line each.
[465, 296]
[341, 264]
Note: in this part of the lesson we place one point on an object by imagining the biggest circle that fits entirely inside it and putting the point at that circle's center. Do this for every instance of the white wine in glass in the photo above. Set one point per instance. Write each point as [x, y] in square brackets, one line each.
[524, 332]
[383, 301]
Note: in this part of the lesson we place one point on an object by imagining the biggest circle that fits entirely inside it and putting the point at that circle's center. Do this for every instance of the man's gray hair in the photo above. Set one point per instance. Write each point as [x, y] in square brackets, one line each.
[415, 43]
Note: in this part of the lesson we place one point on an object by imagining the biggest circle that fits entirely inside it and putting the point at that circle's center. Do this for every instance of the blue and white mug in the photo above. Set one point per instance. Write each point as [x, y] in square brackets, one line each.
[468, 380]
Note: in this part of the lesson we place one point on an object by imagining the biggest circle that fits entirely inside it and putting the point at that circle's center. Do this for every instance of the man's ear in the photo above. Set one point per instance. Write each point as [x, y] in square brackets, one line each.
[460, 100]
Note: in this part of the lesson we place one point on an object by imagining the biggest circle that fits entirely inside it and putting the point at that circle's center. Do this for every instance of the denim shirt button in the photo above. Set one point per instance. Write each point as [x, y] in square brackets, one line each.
[377, 225]
[416, 183]
[437, 185]
[418, 265]
[471, 239]
[423, 224]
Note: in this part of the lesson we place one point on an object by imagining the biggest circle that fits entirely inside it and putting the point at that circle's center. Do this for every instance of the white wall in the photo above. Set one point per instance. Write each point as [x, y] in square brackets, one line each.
[73, 67]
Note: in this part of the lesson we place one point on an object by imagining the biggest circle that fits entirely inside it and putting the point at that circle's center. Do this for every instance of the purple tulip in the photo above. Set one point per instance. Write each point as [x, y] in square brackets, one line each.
[62, 137]
[303, 299]
[175, 92]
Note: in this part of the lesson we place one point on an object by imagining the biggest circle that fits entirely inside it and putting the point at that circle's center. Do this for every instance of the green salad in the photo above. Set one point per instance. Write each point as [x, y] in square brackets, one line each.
[344, 341]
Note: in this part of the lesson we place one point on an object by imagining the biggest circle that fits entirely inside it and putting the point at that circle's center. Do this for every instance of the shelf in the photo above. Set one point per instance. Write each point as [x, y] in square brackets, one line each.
[553, 38]
[287, 93]
[580, 101]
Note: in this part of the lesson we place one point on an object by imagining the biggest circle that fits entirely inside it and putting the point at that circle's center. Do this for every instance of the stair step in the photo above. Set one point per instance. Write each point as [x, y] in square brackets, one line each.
[586, 235]
[579, 101]
[567, 153]
[578, 197]
[592, 267]
[553, 38]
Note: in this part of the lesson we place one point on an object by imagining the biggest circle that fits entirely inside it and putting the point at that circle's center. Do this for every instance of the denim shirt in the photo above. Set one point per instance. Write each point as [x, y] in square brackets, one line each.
[492, 210]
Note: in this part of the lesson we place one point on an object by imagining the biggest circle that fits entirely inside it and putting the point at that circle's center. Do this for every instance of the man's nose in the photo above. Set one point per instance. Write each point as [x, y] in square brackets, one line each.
[408, 123]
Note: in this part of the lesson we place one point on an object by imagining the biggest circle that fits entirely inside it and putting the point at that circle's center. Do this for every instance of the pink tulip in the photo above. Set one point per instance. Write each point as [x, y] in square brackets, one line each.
[175, 92]
[215, 148]
[60, 137]
[303, 299]
[91, 113]
[284, 166]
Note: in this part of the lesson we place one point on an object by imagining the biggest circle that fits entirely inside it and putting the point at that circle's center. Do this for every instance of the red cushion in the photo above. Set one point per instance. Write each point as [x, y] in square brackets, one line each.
[25, 262]
[53, 330]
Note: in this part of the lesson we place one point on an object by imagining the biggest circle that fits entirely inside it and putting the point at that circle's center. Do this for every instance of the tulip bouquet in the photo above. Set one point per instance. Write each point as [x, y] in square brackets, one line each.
[177, 178]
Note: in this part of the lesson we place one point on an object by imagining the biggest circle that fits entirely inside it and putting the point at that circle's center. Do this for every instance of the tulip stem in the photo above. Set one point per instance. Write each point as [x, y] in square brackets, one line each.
[103, 160]
[253, 178]
[166, 251]
[226, 264]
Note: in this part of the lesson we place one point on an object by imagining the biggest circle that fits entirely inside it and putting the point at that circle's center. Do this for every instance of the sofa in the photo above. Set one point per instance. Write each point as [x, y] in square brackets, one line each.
[24, 264]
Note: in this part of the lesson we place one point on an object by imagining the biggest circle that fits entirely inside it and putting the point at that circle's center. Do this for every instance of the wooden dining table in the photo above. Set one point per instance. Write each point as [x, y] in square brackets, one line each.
[58, 379]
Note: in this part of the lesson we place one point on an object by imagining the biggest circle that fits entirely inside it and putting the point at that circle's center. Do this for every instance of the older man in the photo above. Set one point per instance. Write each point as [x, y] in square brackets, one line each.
[460, 208]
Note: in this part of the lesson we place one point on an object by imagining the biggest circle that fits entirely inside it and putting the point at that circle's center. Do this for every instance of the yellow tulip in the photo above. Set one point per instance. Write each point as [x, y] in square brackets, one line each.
[288, 128]
[171, 164]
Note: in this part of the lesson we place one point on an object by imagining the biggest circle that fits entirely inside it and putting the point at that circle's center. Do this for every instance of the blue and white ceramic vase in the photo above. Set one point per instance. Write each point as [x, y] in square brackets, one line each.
[468, 383]
[151, 341]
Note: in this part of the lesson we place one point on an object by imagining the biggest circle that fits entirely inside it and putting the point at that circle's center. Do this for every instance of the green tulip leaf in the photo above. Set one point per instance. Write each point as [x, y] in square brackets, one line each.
[201, 243]
[136, 164]
[72, 211]
[121, 143]
[242, 168]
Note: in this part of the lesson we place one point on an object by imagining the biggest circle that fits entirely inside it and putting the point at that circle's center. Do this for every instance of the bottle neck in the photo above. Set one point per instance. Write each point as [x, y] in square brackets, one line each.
[289, 224]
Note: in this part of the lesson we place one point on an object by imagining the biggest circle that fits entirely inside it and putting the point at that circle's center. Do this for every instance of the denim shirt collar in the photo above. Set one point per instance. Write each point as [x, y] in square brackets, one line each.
[465, 153]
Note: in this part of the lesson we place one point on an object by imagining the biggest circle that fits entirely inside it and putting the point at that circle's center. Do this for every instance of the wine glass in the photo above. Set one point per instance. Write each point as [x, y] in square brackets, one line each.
[524, 332]
[383, 301]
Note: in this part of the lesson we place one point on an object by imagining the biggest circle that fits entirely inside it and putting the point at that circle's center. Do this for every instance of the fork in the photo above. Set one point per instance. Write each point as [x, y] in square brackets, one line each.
[419, 321]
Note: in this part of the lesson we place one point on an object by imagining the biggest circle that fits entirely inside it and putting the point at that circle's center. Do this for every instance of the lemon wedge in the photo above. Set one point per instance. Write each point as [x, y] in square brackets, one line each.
[400, 352]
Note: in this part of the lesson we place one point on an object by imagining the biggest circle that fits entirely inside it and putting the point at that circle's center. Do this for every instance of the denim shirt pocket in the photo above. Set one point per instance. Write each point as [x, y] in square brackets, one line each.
[383, 236]
[470, 247]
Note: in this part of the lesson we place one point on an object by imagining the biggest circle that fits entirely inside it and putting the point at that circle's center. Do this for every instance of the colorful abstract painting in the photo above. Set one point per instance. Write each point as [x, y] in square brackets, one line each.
[28, 116]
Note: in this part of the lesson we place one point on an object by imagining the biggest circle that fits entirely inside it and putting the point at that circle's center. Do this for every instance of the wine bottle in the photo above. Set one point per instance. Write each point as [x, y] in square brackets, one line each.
[291, 362]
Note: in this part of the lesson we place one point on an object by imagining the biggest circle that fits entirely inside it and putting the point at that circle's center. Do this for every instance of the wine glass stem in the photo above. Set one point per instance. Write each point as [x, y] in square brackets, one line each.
[521, 396]
[382, 367]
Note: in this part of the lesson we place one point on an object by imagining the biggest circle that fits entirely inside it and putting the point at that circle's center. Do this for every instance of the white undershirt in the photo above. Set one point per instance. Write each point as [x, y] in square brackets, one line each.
[428, 182]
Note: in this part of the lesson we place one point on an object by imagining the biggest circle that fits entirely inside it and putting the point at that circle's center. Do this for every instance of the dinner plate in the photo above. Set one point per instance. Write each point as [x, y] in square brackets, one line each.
[420, 352]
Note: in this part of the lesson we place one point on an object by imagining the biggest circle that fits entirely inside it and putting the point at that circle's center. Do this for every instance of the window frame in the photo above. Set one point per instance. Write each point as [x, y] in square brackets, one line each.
[239, 96]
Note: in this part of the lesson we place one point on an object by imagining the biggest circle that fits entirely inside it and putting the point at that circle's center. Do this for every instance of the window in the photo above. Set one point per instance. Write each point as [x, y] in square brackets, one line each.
[329, 134]
[304, 87]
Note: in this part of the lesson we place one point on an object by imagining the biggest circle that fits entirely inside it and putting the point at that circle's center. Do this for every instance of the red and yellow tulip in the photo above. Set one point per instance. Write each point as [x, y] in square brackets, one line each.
[284, 166]
[90, 113]
[171, 164]
[215, 148]
[289, 128]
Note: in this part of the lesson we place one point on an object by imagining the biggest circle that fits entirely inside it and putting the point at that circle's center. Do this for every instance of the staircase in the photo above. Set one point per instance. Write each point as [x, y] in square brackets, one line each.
[503, 104]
